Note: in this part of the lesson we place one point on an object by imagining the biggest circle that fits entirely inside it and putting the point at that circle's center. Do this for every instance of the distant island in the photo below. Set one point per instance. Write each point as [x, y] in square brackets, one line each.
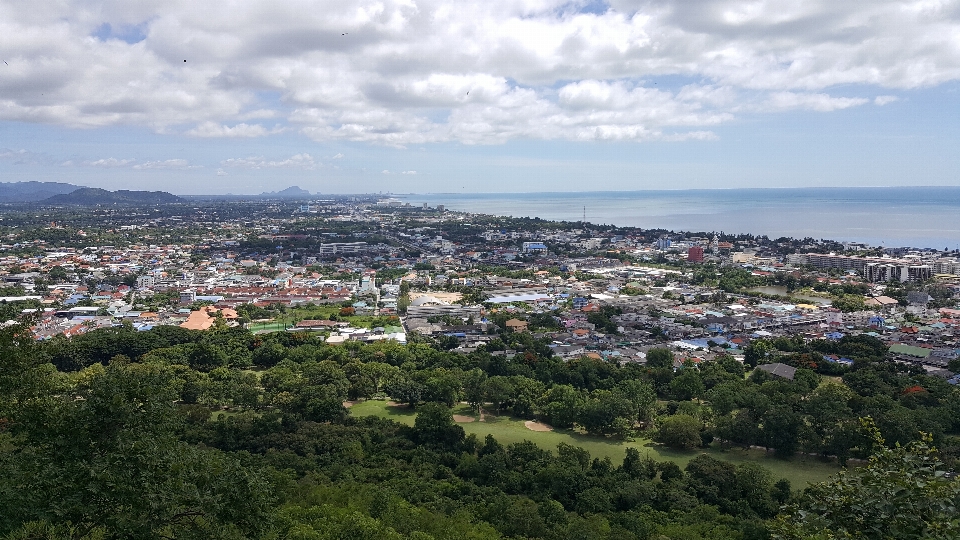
[292, 192]
[94, 196]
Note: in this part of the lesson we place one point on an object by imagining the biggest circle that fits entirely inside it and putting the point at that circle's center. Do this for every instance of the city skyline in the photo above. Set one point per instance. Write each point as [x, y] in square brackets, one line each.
[407, 97]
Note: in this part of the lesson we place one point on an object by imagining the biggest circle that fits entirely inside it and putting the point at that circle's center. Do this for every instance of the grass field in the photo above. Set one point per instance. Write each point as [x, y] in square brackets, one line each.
[314, 312]
[799, 471]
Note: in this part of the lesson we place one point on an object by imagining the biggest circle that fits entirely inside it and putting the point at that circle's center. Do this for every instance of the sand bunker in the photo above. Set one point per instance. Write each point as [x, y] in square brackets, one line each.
[349, 404]
[463, 419]
[537, 426]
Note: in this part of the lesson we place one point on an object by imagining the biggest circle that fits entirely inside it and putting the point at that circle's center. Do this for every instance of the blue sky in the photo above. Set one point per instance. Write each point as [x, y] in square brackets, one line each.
[496, 96]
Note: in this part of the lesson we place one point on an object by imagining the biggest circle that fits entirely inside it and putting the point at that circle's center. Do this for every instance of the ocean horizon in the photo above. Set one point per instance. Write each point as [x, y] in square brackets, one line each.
[921, 217]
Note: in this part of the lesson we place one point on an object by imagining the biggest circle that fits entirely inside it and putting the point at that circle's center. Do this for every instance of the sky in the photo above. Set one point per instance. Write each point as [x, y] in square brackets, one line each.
[406, 96]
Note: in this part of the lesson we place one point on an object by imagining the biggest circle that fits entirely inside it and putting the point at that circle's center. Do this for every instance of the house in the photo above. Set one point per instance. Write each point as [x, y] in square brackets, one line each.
[517, 325]
[779, 370]
[315, 324]
[204, 318]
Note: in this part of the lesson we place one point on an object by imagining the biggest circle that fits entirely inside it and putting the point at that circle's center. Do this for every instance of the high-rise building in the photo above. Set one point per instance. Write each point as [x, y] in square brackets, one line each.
[695, 254]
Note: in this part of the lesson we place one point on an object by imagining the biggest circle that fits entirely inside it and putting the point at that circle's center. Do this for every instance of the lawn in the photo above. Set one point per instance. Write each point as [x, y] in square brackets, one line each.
[799, 471]
[312, 312]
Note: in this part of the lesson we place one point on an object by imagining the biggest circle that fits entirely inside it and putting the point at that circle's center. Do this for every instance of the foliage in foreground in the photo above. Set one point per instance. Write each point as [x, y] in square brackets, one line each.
[903, 493]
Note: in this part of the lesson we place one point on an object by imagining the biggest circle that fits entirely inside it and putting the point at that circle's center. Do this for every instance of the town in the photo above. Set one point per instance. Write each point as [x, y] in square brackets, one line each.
[367, 268]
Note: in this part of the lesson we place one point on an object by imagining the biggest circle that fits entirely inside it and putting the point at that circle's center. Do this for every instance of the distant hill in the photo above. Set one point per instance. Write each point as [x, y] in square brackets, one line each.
[94, 196]
[13, 192]
[292, 192]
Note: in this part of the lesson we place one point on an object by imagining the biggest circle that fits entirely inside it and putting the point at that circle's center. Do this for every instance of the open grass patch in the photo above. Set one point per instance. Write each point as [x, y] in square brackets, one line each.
[799, 470]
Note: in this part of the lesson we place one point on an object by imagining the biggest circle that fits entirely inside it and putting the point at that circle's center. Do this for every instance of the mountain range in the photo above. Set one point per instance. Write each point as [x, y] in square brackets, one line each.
[14, 192]
[64, 193]
[94, 196]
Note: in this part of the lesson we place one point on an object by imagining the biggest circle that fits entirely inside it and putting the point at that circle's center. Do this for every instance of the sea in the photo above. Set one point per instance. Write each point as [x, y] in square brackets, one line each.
[919, 217]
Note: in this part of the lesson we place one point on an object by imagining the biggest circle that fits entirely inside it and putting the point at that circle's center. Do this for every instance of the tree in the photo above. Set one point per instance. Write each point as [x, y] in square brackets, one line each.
[679, 431]
[781, 429]
[498, 390]
[756, 352]
[269, 354]
[660, 357]
[641, 395]
[687, 386]
[954, 365]
[560, 405]
[901, 494]
[101, 457]
[434, 425]
[405, 390]
[473, 388]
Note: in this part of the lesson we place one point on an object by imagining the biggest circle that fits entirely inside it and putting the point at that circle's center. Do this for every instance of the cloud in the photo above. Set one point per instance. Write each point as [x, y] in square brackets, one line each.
[221, 172]
[338, 156]
[298, 161]
[780, 101]
[213, 129]
[109, 163]
[23, 157]
[481, 72]
[409, 172]
[385, 171]
[166, 164]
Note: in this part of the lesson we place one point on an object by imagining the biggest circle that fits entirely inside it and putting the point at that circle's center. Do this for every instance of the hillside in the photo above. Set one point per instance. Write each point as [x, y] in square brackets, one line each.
[93, 196]
[13, 192]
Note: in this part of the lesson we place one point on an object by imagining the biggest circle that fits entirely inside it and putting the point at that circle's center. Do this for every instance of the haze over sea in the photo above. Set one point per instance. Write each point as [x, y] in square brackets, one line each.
[885, 216]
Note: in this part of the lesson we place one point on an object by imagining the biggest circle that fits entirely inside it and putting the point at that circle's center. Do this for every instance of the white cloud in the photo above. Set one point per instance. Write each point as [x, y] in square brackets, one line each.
[109, 163]
[166, 164]
[478, 72]
[298, 161]
[214, 129]
[338, 156]
[23, 157]
[221, 172]
[385, 171]
[780, 101]
[409, 172]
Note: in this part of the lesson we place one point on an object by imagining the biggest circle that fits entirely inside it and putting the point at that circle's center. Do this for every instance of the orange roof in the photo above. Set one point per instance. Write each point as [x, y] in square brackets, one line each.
[204, 318]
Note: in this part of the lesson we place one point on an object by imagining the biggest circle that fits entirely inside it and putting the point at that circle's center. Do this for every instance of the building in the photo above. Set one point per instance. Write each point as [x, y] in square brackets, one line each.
[664, 243]
[779, 370]
[695, 254]
[188, 296]
[876, 272]
[345, 248]
[842, 262]
[534, 247]
[517, 325]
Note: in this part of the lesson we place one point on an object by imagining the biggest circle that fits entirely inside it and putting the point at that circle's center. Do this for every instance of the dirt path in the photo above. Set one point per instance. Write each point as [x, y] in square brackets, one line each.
[463, 419]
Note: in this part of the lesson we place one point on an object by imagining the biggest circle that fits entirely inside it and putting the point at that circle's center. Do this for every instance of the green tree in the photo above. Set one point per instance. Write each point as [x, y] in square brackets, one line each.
[102, 457]
[688, 385]
[680, 431]
[474, 388]
[498, 390]
[902, 493]
[660, 357]
[434, 425]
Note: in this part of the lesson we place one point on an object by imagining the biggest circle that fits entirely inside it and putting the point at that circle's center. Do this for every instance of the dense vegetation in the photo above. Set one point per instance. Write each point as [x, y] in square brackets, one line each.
[119, 434]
